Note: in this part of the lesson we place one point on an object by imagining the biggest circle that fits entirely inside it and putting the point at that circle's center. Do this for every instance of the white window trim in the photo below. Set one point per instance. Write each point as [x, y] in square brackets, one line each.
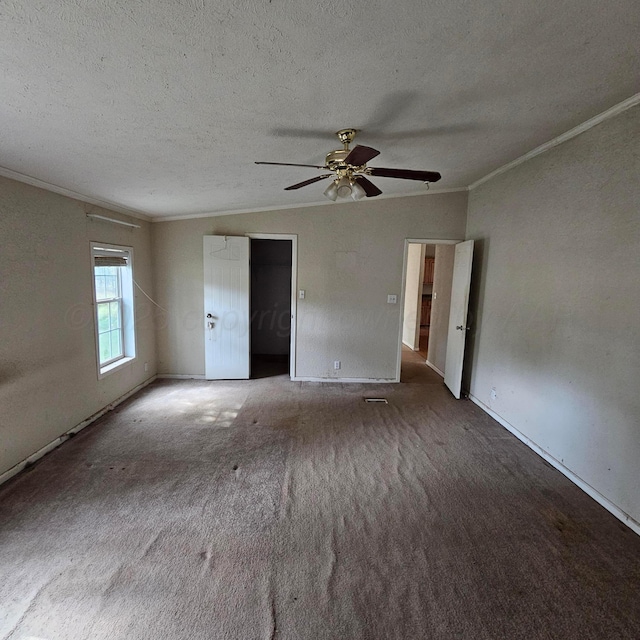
[128, 313]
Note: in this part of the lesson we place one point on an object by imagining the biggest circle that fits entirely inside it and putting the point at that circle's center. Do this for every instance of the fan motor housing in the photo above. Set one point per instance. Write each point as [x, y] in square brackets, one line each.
[335, 159]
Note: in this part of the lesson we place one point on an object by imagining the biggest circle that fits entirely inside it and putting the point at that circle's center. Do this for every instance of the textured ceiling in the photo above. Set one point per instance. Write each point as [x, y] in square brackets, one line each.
[161, 106]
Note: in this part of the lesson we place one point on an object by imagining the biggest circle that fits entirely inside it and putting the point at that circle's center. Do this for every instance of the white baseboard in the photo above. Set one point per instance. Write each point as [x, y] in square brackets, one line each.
[623, 516]
[71, 432]
[433, 366]
[181, 376]
[365, 380]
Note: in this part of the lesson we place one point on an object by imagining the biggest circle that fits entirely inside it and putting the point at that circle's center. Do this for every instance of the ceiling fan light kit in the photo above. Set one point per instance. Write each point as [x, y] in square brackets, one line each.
[332, 191]
[343, 188]
[357, 192]
[349, 170]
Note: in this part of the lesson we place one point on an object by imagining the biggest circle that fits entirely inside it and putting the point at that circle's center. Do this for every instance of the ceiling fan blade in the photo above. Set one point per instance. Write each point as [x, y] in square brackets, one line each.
[360, 155]
[405, 174]
[370, 189]
[290, 164]
[310, 181]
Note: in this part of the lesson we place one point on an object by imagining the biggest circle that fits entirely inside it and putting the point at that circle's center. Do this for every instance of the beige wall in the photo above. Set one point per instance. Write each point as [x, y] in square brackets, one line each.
[413, 295]
[439, 329]
[350, 256]
[558, 304]
[48, 375]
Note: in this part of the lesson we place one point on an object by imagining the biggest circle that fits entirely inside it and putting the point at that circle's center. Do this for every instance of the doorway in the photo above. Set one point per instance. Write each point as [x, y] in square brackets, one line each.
[428, 274]
[447, 310]
[418, 297]
[270, 306]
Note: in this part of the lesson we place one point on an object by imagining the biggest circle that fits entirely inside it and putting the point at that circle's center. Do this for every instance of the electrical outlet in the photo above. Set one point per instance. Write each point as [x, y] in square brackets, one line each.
[392, 299]
[494, 395]
[336, 364]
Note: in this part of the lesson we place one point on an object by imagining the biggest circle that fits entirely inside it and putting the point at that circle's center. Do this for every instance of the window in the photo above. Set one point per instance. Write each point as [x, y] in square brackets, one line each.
[113, 297]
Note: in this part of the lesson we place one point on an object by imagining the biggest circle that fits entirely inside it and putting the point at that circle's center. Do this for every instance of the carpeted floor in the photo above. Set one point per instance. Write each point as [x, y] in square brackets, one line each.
[270, 509]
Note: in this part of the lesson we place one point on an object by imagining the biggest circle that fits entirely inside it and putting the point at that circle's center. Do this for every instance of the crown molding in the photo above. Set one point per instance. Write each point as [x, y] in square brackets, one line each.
[572, 133]
[41, 184]
[147, 217]
[283, 207]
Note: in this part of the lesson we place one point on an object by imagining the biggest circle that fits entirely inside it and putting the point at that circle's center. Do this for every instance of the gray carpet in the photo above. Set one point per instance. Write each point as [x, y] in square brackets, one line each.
[270, 509]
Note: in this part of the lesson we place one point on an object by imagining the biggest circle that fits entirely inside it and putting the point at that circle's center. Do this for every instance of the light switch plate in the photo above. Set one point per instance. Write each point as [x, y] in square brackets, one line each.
[301, 294]
[392, 299]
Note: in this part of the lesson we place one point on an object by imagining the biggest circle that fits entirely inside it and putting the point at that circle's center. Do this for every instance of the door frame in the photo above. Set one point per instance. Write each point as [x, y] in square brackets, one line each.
[407, 242]
[294, 289]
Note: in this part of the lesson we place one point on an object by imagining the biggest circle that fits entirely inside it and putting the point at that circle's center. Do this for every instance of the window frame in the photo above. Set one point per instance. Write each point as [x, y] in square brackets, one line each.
[126, 310]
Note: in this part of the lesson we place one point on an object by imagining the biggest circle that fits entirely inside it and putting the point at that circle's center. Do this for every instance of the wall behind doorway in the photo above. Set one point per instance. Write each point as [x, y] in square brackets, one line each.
[350, 258]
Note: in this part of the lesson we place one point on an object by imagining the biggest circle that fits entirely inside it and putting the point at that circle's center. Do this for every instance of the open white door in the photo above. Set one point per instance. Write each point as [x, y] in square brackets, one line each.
[226, 308]
[458, 316]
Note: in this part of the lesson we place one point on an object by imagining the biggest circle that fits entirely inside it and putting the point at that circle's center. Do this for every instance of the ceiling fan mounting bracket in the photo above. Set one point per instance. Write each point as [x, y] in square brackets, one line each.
[346, 136]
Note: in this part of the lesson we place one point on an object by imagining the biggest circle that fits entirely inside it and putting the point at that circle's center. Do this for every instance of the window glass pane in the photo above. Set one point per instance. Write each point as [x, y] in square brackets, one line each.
[116, 346]
[114, 313]
[104, 341]
[100, 288]
[111, 286]
[103, 317]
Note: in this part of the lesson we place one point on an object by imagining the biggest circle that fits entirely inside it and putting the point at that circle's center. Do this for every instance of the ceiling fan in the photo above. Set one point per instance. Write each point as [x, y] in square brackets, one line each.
[349, 170]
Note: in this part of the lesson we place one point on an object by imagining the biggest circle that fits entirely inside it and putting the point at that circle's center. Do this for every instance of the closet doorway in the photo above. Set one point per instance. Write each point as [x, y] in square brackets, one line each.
[271, 306]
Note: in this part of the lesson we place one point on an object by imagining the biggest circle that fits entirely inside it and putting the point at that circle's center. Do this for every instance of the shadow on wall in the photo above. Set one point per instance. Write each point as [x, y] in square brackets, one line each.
[476, 295]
